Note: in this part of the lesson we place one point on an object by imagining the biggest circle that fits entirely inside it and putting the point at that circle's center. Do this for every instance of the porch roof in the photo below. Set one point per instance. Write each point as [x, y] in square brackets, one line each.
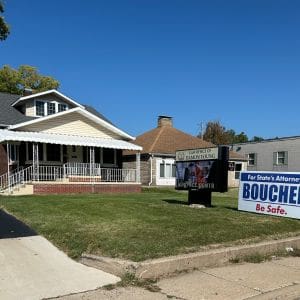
[62, 139]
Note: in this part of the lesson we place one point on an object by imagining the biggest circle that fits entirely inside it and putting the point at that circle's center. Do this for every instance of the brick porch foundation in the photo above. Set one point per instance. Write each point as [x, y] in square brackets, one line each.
[69, 188]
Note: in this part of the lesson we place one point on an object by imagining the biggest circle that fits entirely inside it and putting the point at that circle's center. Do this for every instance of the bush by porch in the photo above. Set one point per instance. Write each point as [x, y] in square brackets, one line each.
[152, 224]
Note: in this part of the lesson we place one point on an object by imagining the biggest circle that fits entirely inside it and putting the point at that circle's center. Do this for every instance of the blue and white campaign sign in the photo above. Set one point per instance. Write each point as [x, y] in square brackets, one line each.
[270, 193]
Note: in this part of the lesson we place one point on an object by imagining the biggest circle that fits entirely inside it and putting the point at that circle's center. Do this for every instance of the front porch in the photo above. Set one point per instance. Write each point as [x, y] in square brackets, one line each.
[69, 167]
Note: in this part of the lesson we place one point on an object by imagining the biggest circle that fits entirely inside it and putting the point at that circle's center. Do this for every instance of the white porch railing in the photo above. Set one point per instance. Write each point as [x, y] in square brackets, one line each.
[14, 180]
[94, 172]
[71, 172]
[81, 169]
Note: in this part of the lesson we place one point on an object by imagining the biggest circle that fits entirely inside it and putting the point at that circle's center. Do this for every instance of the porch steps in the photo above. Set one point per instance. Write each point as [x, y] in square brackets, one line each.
[26, 189]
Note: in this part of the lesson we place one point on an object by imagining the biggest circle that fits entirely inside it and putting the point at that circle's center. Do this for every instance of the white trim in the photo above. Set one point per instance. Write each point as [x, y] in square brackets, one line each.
[82, 112]
[166, 180]
[64, 139]
[47, 93]
[43, 118]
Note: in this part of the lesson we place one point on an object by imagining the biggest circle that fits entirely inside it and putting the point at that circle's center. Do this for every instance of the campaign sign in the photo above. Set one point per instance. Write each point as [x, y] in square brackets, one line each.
[271, 193]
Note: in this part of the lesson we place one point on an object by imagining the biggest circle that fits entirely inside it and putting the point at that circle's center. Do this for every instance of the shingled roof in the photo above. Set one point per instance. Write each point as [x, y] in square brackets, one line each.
[165, 139]
[8, 114]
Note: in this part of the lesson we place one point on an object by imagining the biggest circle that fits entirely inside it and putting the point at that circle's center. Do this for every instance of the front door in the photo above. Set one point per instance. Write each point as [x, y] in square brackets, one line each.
[74, 154]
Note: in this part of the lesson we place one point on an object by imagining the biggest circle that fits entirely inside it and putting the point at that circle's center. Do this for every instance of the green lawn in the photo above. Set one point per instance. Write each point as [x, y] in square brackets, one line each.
[152, 224]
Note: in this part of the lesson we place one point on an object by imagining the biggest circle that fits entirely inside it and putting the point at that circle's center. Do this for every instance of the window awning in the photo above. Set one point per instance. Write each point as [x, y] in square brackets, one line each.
[61, 139]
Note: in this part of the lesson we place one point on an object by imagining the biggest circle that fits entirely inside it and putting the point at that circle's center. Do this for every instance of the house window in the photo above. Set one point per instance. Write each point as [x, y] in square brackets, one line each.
[280, 158]
[46, 108]
[29, 150]
[173, 170]
[252, 159]
[13, 153]
[97, 156]
[103, 156]
[162, 170]
[237, 170]
[108, 156]
[62, 107]
[167, 170]
[40, 108]
[53, 152]
[50, 108]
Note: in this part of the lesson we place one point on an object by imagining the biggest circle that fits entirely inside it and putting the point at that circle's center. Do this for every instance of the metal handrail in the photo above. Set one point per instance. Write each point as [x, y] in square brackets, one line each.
[16, 179]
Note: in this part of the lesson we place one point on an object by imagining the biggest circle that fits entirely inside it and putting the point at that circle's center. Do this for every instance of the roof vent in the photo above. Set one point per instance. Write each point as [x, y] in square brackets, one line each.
[164, 121]
[27, 92]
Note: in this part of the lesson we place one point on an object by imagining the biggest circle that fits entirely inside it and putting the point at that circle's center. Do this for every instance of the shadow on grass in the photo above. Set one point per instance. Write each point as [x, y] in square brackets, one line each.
[178, 202]
[10, 227]
[182, 202]
[231, 208]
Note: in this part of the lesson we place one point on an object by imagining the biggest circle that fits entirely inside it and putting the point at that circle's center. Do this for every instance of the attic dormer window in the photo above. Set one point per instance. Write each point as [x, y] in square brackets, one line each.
[50, 108]
[46, 108]
[40, 108]
[62, 107]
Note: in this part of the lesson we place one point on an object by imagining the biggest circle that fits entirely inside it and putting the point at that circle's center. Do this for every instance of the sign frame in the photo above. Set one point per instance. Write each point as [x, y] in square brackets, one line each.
[214, 164]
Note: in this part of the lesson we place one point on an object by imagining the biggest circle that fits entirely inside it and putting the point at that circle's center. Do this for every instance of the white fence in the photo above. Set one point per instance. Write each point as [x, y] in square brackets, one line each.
[94, 172]
[69, 172]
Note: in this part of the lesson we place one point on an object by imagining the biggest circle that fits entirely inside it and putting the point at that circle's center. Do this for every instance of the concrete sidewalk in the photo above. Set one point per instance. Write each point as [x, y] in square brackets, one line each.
[32, 268]
[276, 279]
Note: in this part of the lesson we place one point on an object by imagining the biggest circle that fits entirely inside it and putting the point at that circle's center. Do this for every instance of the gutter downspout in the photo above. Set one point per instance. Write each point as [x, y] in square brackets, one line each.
[151, 169]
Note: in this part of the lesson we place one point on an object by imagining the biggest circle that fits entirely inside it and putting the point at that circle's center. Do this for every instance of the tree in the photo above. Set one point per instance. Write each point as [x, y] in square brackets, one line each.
[240, 138]
[217, 134]
[257, 139]
[4, 28]
[14, 81]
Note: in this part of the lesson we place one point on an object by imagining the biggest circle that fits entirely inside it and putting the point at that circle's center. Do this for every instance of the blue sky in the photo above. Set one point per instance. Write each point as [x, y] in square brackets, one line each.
[233, 61]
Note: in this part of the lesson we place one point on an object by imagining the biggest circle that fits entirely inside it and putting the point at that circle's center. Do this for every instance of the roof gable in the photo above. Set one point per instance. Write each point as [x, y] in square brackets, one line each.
[49, 92]
[166, 140]
[37, 123]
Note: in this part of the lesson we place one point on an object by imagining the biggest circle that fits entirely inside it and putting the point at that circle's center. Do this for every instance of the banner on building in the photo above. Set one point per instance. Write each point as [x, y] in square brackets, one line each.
[271, 193]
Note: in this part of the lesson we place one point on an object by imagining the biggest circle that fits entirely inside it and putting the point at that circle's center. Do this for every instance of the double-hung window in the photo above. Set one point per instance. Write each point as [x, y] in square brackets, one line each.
[237, 170]
[50, 108]
[40, 108]
[280, 158]
[167, 170]
[13, 153]
[252, 157]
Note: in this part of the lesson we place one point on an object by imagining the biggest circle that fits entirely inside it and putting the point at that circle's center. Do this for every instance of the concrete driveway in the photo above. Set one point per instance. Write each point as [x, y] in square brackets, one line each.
[32, 268]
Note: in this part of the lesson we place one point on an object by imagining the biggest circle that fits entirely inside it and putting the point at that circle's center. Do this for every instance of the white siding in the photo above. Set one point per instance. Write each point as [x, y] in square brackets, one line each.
[29, 111]
[71, 124]
[264, 154]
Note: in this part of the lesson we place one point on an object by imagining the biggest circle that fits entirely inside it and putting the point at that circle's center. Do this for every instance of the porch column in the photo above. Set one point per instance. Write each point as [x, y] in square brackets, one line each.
[8, 170]
[92, 161]
[35, 161]
[138, 167]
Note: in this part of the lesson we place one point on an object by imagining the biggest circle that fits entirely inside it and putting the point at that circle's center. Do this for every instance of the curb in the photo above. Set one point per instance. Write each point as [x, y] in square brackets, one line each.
[167, 266]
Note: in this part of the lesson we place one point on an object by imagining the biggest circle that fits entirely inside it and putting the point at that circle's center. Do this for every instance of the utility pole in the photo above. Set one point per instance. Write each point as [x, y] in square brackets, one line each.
[201, 126]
